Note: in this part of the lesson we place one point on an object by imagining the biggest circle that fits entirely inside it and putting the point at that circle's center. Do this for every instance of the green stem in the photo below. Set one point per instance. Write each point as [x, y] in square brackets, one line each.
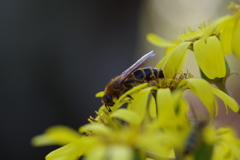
[221, 85]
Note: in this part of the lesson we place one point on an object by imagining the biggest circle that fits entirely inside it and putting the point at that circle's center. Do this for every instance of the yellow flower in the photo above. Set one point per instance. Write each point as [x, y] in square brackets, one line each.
[201, 88]
[229, 31]
[207, 94]
[227, 145]
[206, 47]
[132, 131]
[210, 57]
[153, 125]
[127, 140]
[207, 142]
[209, 45]
[102, 116]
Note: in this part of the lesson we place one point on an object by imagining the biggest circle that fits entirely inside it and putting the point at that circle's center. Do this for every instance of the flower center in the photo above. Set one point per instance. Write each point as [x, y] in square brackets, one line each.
[173, 83]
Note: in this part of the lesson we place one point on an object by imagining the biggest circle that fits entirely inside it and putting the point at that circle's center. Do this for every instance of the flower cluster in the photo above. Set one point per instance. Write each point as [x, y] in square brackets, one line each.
[154, 123]
[209, 44]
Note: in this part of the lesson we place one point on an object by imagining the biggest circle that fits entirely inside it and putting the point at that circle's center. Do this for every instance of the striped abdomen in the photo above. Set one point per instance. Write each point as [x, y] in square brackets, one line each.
[195, 137]
[147, 73]
[143, 75]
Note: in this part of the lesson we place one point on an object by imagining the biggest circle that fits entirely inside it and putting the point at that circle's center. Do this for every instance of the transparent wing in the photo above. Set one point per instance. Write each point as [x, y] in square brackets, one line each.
[135, 66]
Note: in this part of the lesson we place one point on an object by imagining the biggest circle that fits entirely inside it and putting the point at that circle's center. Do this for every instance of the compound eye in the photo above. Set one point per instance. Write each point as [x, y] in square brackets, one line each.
[107, 97]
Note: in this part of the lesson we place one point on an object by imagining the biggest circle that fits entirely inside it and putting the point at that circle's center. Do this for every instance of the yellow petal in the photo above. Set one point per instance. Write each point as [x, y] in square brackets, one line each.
[203, 90]
[120, 152]
[99, 94]
[201, 54]
[172, 109]
[221, 22]
[169, 49]
[160, 146]
[182, 108]
[132, 91]
[118, 104]
[190, 35]
[226, 36]
[56, 135]
[228, 144]
[163, 61]
[152, 108]
[97, 152]
[96, 128]
[208, 31]
[209, 135]
[210, 57]
[72, 151]
[165, 108]
[175, 61]
[128, 116]
[160, 149]
[158, 41]
[216, 52]
[164, 99]
[43, 140]
[215, 101]
[222, 151]
[228, 101]
[236, 40]
[140, 103]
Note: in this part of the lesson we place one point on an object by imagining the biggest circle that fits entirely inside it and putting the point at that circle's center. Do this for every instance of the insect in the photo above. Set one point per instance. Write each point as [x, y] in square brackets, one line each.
[130, 78]
[195, 137]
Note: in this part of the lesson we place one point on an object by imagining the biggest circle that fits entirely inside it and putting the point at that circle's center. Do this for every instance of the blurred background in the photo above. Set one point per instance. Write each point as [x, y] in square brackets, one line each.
[56, 55]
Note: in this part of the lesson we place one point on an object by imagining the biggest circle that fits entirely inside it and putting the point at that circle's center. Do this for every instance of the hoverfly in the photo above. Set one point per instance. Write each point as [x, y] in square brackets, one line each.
[195, 137]
[130, 78]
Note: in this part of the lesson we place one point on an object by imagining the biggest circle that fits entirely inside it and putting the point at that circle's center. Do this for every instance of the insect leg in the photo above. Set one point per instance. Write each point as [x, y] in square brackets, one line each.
[130, 97]
[108, 108]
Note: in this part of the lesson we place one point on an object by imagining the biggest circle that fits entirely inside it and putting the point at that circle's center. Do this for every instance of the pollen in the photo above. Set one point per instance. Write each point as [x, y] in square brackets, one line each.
[202, 25]
[173, 83]
[190, 29]
[102, 116]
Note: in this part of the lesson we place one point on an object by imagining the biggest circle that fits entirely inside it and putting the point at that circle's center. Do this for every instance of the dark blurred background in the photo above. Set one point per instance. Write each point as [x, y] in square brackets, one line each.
[55, 55]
